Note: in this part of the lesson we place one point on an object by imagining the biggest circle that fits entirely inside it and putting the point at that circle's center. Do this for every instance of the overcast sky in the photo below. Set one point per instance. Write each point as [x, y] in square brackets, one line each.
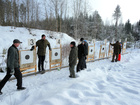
[130, 9]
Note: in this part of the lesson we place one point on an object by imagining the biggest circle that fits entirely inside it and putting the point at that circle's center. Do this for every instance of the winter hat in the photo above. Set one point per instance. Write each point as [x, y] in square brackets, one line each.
[82, 39]
[85, 41]
[73, 43]
[16, 41]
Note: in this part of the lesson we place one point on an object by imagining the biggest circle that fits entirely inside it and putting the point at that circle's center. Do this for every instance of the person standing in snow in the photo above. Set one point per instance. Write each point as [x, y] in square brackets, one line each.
[72, 59]
[42, 45]
[117, 51]
[13, 67]
[86, 52]
[81, 56]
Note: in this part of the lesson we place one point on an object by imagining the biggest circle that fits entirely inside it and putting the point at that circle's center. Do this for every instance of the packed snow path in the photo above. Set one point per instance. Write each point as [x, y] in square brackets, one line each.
[103, 83]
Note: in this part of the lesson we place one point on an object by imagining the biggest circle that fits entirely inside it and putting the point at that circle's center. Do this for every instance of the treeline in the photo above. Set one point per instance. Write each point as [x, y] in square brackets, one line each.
[28, 13]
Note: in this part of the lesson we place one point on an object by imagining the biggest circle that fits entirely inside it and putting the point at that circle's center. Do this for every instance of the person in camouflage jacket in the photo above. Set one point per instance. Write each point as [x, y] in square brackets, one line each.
[72, 59]
[42, 45]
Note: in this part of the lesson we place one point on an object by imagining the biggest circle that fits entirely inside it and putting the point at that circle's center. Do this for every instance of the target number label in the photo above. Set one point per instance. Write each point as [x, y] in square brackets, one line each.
[31, 42]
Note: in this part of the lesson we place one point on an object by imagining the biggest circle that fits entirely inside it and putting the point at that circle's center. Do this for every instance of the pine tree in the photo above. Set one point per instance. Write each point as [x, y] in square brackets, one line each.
[116, 16]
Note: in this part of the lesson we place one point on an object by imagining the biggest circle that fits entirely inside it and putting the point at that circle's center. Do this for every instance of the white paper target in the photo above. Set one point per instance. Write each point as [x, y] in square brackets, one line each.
[124, 45]
[26, 57]
[103, 49]
[91, 51]
[56, 54]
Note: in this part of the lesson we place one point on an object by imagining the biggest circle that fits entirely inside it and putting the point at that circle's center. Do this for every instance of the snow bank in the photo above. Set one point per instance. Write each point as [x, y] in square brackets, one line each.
[8, 34]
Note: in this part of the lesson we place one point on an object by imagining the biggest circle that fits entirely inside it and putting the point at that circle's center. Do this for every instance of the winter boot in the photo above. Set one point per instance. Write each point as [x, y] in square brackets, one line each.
[112, 61]
[21, 88]
[70, 76]
[0, 93]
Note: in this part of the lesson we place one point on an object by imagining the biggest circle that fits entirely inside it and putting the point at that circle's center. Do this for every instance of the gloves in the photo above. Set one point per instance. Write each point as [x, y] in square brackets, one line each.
[32, 48]
[12, 72]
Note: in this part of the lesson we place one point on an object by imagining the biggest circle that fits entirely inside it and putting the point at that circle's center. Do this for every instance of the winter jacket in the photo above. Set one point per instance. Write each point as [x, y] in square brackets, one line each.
[81, 51]
[13, 58]
[86, 48]
[42, 45]
[73, 56]
[117, 48]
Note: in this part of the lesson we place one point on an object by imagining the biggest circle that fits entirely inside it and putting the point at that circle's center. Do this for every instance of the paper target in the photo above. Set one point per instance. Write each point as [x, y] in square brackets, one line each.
[26, 57]
[103, 49]
[93, 40]
[91, 51]
[124, 46]
[56, 54]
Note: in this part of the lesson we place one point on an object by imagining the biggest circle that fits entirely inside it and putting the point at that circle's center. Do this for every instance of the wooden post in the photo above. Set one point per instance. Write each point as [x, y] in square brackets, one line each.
[35, 59]
[50, 58]
[61, 55]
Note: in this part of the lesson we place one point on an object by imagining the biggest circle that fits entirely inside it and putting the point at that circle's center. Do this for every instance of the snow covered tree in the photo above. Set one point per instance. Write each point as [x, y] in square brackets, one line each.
[128, 27]
[117, 14]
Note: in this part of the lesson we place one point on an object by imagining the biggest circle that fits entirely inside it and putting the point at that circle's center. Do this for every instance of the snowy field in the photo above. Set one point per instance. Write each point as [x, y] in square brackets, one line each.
[103, 83]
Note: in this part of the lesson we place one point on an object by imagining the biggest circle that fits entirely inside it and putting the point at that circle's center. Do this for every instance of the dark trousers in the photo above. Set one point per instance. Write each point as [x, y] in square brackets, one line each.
[72, 72]
[85, 65]
[18, 76]
[81, 63]
[115, 55]
[41, 60]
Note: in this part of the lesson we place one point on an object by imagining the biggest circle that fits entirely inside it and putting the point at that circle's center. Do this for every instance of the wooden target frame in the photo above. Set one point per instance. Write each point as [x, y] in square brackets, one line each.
[90, 57]
[56, 63]
[102, 50]
[27, 66]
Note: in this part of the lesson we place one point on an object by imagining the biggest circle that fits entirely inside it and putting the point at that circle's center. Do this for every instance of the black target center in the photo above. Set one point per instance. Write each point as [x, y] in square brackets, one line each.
[91, 50]
[56, 54]
[27, 57]
[103, 48]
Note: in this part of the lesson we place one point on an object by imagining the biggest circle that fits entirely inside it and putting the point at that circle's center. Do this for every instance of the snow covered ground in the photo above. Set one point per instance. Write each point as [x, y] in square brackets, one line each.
[103, 83]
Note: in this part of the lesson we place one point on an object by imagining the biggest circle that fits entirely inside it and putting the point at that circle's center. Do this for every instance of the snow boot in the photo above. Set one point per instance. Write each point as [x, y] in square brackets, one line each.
[43, 71]
[70, 76]
[0, 93]
[21, 88]
[112, 61]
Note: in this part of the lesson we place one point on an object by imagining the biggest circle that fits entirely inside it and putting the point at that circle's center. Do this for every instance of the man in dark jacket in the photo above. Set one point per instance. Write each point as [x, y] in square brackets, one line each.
[117, 51]
[81, 56]
[13, 67]
[86, 52]
[42, 45]
[72, 59]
